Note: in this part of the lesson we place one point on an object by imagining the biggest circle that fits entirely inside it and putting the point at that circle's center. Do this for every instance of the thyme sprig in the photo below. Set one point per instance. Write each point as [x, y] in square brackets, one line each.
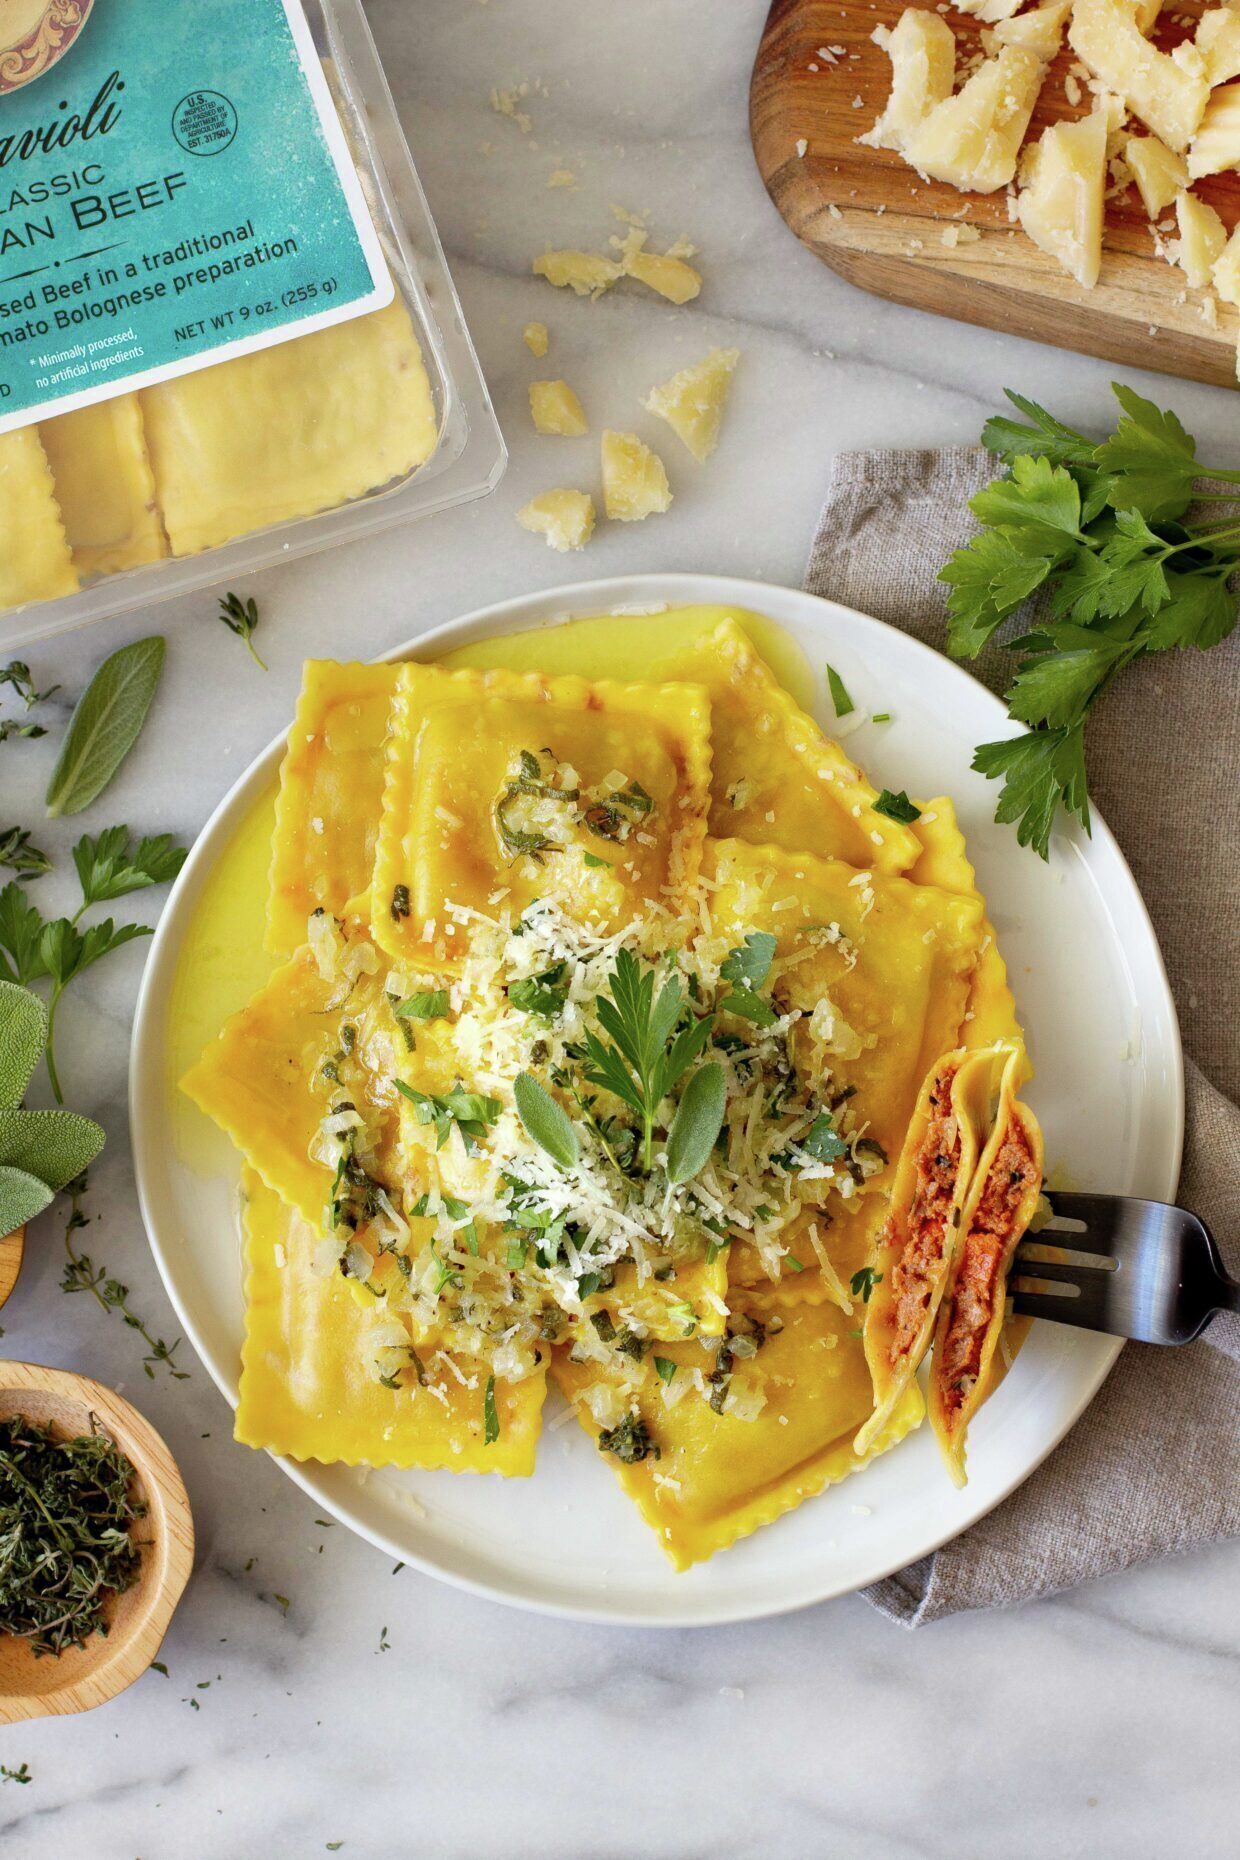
[81, 1274]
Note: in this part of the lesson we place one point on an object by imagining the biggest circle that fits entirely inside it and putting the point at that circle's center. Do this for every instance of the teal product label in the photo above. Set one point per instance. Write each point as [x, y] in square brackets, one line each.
[175, 190]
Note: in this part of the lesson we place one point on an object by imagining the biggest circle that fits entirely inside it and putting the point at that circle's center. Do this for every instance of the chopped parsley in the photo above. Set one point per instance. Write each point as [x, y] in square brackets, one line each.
[862, 1283]
[839, 693]
[897, 807]
[490, 1414]
[430, 1005]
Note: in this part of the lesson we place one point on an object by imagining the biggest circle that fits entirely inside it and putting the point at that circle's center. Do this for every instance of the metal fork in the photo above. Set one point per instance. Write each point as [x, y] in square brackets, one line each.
[1131, 1268]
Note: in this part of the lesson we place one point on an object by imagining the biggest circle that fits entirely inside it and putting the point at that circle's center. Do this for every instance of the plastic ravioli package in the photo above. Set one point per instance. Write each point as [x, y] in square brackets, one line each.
[227, 331]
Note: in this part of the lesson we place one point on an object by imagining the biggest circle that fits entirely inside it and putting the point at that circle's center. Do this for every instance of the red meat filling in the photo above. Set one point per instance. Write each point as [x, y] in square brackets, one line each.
[987, 1249]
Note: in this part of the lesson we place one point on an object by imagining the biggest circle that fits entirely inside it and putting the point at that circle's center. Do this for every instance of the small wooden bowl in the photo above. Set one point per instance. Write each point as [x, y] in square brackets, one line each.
[83, 1677]
[12, 1246]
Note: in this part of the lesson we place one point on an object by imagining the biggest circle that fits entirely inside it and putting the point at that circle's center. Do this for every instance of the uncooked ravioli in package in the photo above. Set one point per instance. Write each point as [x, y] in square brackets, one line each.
[217, 271]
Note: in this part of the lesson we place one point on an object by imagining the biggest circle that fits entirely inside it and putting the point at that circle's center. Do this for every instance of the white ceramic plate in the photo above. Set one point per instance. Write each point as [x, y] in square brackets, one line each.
[1109, 1091]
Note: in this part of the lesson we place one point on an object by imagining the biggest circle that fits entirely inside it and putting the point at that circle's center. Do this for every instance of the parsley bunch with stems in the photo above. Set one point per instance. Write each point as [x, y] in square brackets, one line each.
[653, 1042]
[33, 949]
[1097, 532]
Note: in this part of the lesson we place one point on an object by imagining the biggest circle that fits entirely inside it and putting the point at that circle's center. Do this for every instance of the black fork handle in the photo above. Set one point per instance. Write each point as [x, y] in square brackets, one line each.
[1229, 1295]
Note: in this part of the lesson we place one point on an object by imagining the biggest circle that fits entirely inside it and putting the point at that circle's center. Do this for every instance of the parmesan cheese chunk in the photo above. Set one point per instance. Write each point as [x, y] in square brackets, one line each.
[1218, 41]
[1201, 241]
[989, 11]
[536, 339]
[1061, 207]
[1167, 97]
[565, 518]
[1226, 272]
[664, 272]
[1159, 173]
[922, 50]
[1145, 13]
[692, 402]
[556, 409]
[587, 273]
[634, 481]
[972, 141]
[1216, 146]
[1039, 30]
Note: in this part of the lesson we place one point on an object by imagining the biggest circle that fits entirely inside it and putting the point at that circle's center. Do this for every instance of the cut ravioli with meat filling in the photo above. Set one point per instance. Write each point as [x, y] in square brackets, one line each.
[331, 791]
[915, 1247]
[288, 431]
[504, 787]
[1001, 1203]
[331, 1377]
[711, 1441]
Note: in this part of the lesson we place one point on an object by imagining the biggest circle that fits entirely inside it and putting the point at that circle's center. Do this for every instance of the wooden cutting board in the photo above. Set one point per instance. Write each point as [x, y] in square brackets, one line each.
[881, 226]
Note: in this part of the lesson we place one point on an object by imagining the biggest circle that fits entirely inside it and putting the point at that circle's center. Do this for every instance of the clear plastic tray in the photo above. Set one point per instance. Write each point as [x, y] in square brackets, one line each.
[469, 456]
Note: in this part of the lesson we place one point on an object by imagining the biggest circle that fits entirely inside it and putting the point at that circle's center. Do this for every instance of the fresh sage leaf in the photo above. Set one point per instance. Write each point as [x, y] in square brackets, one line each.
[105, 725]
[55, 1146]
[23, 1031]
[698, 1121]
[22, 1196]
[545, 1121]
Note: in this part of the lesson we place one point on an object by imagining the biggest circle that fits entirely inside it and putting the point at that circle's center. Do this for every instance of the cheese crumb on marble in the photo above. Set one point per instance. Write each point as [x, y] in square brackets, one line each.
[635, 483]
[555, 409]
[564, 518]
[693, 401]
[536, 339]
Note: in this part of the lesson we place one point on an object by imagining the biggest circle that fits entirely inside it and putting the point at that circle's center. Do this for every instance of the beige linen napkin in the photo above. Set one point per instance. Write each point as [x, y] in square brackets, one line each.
[1153, 1467]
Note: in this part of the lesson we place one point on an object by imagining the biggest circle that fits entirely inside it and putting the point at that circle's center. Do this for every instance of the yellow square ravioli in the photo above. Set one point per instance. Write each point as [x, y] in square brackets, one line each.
[331, 790]
[718, 1477]
[503, 787]
[314, 1354]
[305, 426]
[776, 778]
[35, 564]
[262, 1078]
[990, 1016]
[881, 967]
[104, 486]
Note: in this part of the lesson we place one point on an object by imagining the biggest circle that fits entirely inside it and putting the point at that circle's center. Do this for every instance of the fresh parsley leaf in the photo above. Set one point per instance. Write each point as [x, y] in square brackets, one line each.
[1036, 494]
[1149, 460]
[989, 579]
[750, 964]
[1041, 772]
[862, 1283]
[546, 1121]
[429, 1005]
[105, 726]
[1058, 687]
[1043, 437]
[897, 807]
[823, 1141]
[1106, 533]
[472, 1113]
[19, 855]
[241, 618]
[594, 862]
[652, 1043]
[665, 1368]
[544, 994]
[21, 934]
[748, 968]
[839, 693]
[111, 866]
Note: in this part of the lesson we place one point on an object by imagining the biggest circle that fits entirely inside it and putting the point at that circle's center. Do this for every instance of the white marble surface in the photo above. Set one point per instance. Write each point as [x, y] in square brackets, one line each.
[1102, 1723]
